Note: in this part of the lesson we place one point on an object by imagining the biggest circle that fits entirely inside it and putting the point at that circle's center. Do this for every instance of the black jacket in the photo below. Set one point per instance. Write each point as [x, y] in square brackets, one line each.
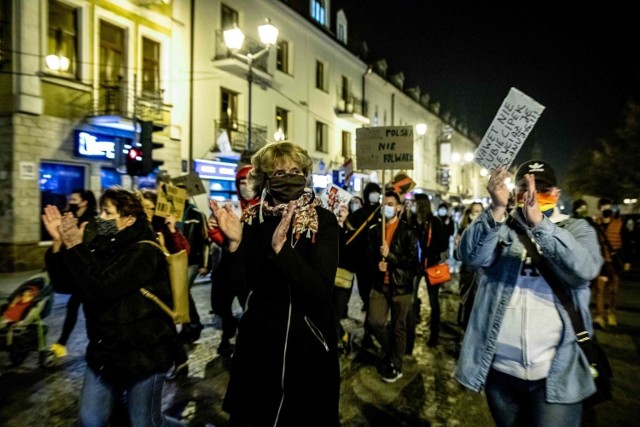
[194, 228]
[287, 342]
[438, 244]
[130, 337]
[402, 259]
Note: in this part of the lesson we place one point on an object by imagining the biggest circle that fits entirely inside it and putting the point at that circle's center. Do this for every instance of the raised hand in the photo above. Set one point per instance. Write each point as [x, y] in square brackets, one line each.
[52, 219]
[170, 222]
[228, 222]
[499, 192]
[531, 209]
[70, 233]
[280, 234]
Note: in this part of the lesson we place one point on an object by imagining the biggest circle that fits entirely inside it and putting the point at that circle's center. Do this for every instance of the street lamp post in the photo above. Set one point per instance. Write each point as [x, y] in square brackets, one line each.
[233, 39]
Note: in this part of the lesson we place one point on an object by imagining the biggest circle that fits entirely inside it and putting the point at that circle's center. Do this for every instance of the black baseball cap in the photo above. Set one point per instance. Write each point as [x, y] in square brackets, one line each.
[541, 170]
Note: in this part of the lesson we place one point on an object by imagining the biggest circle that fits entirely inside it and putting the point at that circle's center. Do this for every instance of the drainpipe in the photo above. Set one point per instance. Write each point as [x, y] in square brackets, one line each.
[191, 65]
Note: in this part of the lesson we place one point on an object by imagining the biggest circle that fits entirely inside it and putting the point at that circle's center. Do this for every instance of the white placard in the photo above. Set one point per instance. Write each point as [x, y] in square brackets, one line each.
[508, 131]
[27, 170]
[388, 147]
[335, 197]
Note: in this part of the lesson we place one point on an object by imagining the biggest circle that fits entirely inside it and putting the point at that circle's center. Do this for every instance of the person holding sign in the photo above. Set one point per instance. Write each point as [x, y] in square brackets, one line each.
[520, 344]
[394, 266]
[285, 368]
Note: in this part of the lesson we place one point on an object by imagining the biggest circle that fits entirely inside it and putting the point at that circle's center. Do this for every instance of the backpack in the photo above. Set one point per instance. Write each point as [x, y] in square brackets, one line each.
[177, 264]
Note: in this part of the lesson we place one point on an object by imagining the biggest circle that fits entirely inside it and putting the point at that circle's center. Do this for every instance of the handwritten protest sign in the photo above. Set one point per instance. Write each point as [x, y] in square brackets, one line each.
[171, 200]
[388, 147]
[508, 131]
[191, 182]
[335, 197]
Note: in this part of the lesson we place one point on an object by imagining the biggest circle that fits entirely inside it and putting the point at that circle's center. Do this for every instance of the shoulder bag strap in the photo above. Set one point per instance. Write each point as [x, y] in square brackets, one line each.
[582, 335]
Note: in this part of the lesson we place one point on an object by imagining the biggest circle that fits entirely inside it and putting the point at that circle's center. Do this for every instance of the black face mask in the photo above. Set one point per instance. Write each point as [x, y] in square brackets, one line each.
[74, 208]
[106, 227]
[287, 187]
[607, 213]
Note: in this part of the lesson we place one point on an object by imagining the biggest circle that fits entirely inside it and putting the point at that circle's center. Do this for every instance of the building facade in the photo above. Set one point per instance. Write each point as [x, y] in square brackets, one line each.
[77, 75]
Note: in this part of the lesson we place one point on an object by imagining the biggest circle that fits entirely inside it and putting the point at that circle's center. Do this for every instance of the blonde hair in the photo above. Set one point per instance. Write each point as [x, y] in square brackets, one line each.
[269, 157]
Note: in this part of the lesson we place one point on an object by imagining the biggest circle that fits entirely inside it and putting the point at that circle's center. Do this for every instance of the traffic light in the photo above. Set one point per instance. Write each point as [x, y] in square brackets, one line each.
[146, 141]
[139, 160]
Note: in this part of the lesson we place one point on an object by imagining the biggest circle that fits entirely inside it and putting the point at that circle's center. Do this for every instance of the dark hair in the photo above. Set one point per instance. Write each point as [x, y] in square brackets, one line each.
[578, 204]
[467, 212]
[604, 201]
[87, 196]
[390, 193]
[150, 195]
[125, 202]
[370, 187]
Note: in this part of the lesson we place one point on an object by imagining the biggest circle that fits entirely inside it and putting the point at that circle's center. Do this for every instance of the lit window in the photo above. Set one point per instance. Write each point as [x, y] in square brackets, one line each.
[318, 11]
[62, 38]
[150, 66]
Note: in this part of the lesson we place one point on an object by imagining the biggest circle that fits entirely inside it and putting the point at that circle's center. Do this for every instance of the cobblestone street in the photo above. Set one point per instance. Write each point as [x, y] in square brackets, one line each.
[426, 395]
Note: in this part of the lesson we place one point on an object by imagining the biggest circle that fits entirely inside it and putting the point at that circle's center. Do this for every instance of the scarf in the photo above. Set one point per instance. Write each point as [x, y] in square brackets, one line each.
[305, 217]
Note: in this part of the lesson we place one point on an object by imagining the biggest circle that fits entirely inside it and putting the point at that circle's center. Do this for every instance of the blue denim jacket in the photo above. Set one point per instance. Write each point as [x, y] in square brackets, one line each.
[573, 253]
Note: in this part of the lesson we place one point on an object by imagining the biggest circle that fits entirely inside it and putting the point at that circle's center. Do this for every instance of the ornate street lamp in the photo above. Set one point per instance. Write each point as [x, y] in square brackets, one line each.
[233, 39]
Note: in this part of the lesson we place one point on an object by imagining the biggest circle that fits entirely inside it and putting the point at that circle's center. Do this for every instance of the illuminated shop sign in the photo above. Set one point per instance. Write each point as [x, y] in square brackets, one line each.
[98, 146]
[212, 169]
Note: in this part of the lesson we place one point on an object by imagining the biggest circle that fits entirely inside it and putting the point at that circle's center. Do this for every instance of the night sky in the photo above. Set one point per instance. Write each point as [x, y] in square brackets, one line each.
[577, 63]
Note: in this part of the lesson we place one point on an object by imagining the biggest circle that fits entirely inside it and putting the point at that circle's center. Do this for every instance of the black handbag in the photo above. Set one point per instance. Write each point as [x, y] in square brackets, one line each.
[598, 362]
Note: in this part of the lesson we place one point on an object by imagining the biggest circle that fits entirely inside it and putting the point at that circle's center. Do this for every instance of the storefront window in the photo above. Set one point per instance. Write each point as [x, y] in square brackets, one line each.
[57, 181]
[109, 177]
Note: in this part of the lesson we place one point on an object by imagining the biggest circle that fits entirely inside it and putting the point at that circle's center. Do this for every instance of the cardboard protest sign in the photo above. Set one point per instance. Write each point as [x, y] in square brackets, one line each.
[388, 147]
[335, 197]
[508, 131]
[171, 200]
[402, 183]
[192, 182]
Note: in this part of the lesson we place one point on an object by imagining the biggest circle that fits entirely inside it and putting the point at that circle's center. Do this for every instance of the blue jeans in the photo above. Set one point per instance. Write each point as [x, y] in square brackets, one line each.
[516, 402]
[144, 401]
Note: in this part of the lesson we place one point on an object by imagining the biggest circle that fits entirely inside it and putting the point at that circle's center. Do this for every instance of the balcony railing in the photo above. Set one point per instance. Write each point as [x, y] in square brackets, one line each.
[115, 100]
[238, 134]
[349, 103]
[250, 46]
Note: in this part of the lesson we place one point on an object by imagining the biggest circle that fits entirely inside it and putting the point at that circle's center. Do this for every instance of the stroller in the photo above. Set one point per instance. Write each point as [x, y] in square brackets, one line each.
[21, 326]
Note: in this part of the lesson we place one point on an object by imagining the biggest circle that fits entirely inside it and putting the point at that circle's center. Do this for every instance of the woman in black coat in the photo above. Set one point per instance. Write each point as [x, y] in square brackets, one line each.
[285, 368]
[130, 337]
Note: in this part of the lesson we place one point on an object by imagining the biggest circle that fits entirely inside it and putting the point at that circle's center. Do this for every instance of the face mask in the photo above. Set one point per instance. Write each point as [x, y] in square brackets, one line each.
[374, 198]
[607, 213]
[287, 187]
[389, 212]
[473, 217]
[442, 212]
[414, 209]
[74, 208]
[546, 202]
[246, 192]
[355, 206]
[581, 212]
[106, 227]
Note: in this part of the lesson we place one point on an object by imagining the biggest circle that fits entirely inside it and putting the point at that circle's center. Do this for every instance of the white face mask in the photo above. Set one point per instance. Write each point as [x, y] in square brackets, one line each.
[414, 209]
[374, 197]
[246, 192]
[442, 212]
[355, 206]
[472, 217]
[389, 212]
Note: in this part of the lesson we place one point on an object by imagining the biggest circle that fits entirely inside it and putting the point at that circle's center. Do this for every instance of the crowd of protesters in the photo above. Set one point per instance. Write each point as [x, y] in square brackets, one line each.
[293, 266]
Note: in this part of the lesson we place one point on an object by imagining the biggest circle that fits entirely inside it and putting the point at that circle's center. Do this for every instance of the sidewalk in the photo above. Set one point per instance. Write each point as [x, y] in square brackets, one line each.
[426, 395]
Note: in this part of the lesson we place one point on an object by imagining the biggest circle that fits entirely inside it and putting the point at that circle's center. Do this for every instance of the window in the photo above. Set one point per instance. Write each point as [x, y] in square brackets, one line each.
[112, 51]
[345, 88]
[282, 59]
[150, 66]
[62, 43]
[320, 75]
[346, 144]
[228, 109]
[5, 32]
[342, 33]
[321, 137]
[229, 17]
[282, 124]
[318, 11]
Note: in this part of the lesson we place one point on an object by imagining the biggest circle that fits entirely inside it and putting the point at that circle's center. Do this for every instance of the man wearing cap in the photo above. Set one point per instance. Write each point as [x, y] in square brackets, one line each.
[520, 345]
